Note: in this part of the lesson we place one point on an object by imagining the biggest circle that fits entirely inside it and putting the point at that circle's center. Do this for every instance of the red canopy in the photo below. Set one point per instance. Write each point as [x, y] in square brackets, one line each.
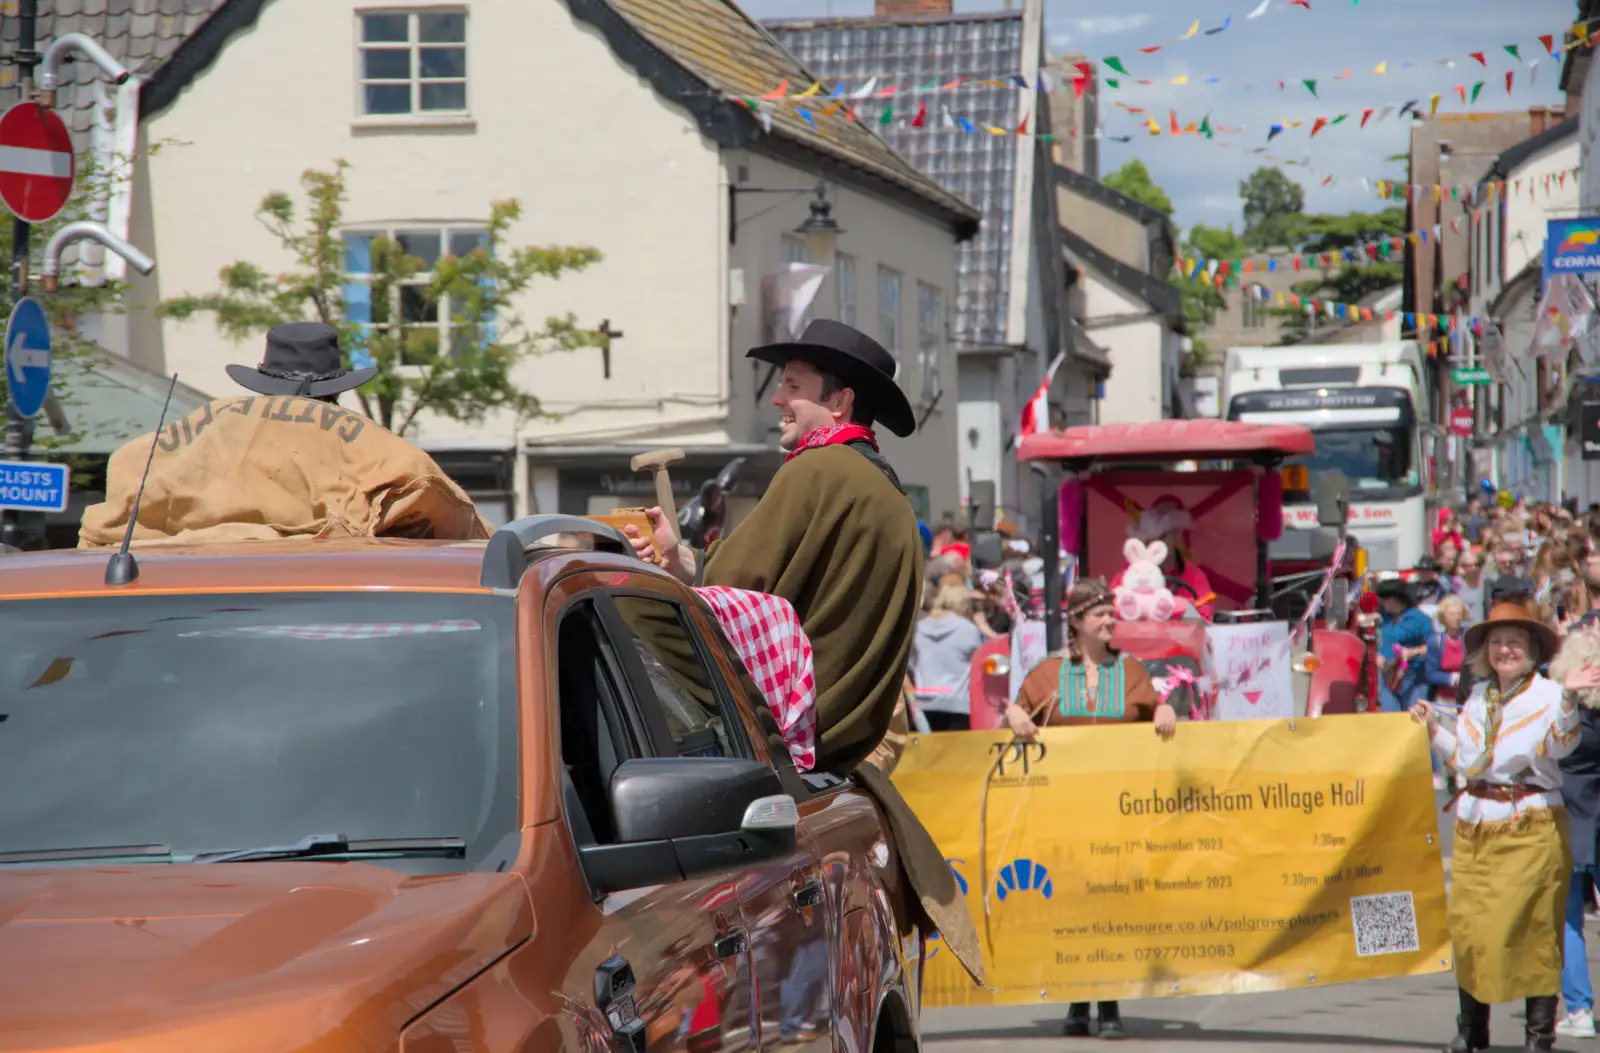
[1166, 440]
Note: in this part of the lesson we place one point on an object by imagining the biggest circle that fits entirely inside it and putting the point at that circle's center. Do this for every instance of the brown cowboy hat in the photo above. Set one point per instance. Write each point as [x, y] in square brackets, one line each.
[1513, 614]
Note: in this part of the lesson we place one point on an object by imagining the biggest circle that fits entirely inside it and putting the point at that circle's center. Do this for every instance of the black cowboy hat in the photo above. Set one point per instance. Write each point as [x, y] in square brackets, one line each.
[859, 362]
[1396, 588]
[302, 358]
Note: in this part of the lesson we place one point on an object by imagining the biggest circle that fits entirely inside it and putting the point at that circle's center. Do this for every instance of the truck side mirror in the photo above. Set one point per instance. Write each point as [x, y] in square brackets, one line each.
[1332, 507]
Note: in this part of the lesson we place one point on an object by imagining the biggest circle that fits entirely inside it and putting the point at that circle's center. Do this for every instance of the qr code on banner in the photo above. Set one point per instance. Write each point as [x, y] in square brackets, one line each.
[1385, 924]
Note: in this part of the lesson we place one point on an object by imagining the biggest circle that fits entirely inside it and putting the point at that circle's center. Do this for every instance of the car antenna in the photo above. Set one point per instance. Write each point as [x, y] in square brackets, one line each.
[123, 568]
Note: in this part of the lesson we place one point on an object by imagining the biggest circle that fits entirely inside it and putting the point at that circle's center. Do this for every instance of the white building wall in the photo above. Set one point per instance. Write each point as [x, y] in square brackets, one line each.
[650, 199]
[877, 234]
[1136, 343]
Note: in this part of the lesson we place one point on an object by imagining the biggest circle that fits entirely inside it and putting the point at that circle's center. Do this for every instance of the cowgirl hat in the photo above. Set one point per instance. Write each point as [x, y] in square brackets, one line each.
[1517, 616]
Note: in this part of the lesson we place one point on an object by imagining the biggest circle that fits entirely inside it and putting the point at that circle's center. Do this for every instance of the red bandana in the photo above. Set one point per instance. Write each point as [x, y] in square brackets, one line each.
[832, 435]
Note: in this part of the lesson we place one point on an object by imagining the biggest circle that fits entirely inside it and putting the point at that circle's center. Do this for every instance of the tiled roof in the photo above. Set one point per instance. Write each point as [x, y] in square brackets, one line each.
[141, 34]
[721, 46]
[1510, 160]
[978, 166]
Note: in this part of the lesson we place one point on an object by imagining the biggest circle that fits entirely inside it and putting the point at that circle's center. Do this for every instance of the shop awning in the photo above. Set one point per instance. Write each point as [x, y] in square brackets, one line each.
[108, 400]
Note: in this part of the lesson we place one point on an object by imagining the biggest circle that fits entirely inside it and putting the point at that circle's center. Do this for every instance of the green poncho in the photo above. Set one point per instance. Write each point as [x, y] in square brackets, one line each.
[834, 537]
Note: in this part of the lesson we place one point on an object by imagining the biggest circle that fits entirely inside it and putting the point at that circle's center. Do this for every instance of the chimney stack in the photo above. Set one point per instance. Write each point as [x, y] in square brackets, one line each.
[914, 8]
[1538, 120]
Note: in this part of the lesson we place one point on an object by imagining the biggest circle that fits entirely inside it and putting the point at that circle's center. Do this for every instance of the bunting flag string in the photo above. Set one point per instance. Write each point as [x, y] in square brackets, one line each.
[1547, 44]
[1478, 198]
[1354, 312]
[1368, 116]
[1475, 193]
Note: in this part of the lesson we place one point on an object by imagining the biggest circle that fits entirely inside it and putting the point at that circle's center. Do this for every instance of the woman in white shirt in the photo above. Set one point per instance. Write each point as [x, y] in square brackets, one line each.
[1512, 861]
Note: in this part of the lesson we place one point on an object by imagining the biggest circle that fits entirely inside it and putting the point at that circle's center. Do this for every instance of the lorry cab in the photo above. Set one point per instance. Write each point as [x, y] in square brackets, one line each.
[1362, 403]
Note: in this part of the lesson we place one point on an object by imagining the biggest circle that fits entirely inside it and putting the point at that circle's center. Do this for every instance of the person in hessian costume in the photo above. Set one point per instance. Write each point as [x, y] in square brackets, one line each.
[835, 535]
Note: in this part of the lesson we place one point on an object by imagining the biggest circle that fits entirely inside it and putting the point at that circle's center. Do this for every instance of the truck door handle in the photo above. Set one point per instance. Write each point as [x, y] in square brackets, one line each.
[613, 993]
[809, 894]
[732, 945]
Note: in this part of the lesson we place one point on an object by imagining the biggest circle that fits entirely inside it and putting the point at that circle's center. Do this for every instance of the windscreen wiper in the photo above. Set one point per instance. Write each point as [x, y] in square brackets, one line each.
[315, 845]
[54, 855]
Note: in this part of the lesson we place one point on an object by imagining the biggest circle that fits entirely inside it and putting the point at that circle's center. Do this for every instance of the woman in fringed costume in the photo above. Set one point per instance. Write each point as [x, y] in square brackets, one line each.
[1512, 862]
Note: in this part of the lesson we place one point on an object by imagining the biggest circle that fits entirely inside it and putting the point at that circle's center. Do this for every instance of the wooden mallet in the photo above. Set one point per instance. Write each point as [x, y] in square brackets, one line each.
[655, 462]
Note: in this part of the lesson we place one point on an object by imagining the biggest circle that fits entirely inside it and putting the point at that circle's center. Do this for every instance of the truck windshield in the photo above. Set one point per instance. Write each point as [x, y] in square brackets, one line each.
[214, 722]
[1370, 458]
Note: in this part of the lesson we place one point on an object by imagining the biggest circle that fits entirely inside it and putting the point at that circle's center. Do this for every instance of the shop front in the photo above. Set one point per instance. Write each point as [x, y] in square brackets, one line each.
[593, 480]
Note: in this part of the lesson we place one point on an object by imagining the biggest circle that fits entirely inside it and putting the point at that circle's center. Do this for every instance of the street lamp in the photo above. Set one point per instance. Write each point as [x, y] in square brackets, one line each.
[820, 230]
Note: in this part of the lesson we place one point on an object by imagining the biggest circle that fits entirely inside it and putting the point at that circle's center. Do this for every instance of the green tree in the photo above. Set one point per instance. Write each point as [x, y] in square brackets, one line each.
[1272, 203]
[467, 381]
[1335, 234]
[1202, 300]
[1134, 180]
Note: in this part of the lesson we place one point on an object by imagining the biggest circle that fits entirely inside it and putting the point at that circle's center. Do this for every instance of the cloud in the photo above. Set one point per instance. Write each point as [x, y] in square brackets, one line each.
[1074, 30]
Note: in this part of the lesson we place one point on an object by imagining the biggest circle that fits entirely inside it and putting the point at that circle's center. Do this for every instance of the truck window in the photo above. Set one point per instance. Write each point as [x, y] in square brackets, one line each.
[210, 722]
[679, 682]
[595, 736]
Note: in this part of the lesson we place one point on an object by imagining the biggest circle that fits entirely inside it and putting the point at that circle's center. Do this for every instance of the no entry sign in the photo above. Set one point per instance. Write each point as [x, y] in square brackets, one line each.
[1461, 421]
[36, 162]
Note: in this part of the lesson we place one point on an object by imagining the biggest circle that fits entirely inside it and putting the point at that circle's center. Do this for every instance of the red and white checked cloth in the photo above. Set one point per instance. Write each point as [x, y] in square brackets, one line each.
[766, 632]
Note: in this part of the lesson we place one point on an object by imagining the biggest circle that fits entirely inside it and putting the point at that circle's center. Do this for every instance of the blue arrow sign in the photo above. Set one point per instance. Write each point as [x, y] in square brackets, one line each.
[33, 486]
[28, 357]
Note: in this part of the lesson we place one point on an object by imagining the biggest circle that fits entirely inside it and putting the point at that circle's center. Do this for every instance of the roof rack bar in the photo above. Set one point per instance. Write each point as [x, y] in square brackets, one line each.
[505, 559]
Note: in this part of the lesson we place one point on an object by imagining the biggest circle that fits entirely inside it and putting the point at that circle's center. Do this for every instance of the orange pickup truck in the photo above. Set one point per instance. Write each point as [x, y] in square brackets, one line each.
[424, 796]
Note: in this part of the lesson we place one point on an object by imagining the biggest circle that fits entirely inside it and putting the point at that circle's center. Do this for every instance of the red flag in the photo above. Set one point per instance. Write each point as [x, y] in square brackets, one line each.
[1318, 125]
[1173, 115]
[777, 93]
[1081, 84]
[1036, 414]
[1364, 115]
[1022, 129]
[1479, 56]
[1151, 50]
[1085, 69]
[922, 115]
[1461, 90]
[1549, 42]
[1509, 74]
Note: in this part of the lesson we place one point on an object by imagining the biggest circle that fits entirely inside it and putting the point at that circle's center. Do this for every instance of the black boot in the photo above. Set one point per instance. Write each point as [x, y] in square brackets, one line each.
[1111, 1021]
[1077, 1023]
[1541, 1024]
[1472, 1027]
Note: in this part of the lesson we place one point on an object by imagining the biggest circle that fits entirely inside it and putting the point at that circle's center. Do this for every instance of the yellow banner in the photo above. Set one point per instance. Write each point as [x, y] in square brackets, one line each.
[1239, 856]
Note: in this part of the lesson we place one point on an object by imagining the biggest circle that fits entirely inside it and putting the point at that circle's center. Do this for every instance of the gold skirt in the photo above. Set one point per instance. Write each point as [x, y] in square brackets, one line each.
[1508, 903]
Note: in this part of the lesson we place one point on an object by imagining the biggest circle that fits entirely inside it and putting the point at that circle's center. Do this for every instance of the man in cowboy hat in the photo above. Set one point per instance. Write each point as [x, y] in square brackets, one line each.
[302, 359]
[835, 535]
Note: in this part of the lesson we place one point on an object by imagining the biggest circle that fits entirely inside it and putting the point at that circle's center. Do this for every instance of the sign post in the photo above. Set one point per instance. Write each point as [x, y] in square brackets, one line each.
[36, 162]
[19, 429]
[1571, 246]
[28, 357]
[1589, 430]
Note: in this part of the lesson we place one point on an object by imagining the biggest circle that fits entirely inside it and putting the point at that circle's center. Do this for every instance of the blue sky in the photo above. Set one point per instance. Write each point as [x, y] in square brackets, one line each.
[1289, 44]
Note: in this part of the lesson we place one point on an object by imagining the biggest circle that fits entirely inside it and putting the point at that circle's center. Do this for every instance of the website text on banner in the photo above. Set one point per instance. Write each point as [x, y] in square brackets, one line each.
[1238, 856]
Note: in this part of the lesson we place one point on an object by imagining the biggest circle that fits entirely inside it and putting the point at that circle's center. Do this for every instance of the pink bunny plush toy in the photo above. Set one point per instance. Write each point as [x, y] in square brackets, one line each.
[1143, 594]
